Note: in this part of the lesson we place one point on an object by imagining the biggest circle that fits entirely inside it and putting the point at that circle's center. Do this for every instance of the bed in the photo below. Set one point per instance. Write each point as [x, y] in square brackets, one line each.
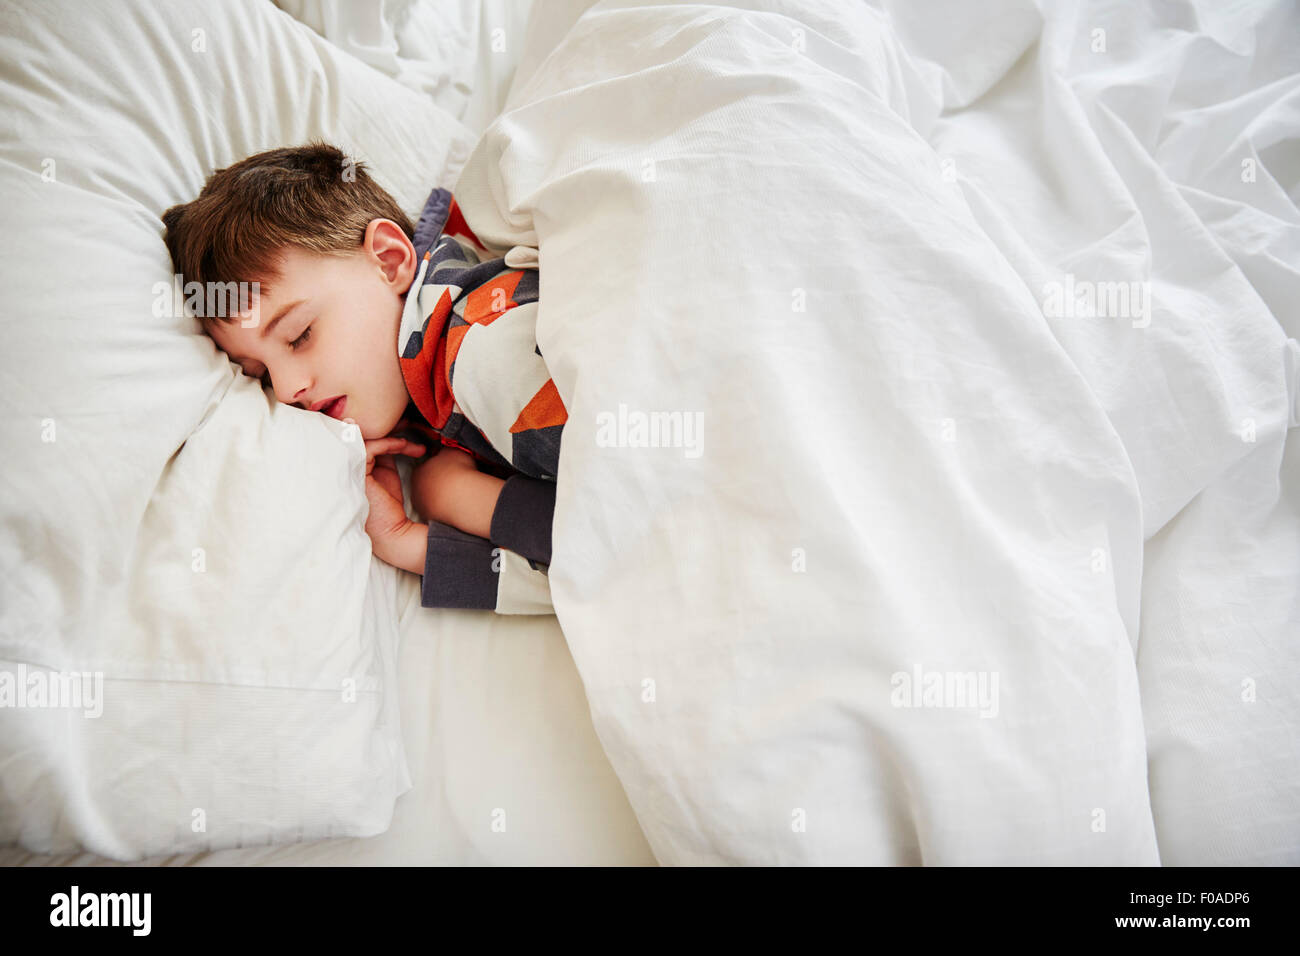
[930, 493]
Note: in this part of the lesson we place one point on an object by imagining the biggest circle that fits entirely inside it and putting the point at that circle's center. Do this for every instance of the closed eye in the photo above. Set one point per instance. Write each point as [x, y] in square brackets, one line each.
[301, 340]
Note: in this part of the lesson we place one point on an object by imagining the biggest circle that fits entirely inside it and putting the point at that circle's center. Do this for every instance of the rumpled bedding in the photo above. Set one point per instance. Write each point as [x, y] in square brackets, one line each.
[902, 344]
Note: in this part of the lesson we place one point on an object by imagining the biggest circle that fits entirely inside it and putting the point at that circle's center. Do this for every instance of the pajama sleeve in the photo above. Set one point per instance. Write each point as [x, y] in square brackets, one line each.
[507, 574]
[523, 517]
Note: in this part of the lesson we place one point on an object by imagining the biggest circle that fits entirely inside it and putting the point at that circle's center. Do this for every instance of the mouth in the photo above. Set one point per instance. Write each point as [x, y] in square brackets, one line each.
[333, 407]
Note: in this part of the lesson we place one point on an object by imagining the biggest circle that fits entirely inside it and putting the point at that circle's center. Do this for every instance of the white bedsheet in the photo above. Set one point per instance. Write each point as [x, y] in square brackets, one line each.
[505, 766]
[783, 223]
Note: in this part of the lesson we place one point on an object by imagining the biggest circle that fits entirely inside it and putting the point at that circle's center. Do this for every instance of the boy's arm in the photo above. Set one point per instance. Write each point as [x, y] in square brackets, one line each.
[405, 549]
[504, 570]
[516, 513]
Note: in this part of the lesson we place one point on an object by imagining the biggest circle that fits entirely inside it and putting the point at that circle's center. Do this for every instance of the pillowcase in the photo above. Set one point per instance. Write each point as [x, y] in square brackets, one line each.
[167, 530]
[427, 45]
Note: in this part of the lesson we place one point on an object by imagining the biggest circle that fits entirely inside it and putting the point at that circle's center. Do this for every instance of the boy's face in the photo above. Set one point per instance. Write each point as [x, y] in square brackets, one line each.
[328, 330]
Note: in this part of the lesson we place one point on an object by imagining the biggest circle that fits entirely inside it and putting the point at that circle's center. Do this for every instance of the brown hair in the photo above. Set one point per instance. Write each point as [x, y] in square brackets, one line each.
[311, 197]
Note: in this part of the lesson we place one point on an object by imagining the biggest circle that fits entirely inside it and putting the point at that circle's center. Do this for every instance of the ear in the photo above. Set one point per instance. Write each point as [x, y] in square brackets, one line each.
[392, 252]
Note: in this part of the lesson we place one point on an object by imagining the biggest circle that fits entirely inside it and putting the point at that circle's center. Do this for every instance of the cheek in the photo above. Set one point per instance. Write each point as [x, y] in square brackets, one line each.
[257, 374]
[379, 331]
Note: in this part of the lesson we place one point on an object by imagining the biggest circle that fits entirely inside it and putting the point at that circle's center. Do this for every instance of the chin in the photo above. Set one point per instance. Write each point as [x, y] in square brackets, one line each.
[361, 426]
[369, 431]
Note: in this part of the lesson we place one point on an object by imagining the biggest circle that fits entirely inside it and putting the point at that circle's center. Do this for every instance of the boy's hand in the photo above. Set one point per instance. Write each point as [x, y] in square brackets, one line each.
[387, 447]
[386, 524]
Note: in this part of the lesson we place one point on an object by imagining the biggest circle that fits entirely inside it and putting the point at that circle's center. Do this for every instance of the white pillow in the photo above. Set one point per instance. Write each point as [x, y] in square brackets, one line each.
[427, 45]
[162, 520]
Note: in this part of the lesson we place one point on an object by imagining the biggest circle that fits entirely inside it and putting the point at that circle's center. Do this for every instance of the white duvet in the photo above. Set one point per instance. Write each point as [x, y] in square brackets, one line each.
[884, 606]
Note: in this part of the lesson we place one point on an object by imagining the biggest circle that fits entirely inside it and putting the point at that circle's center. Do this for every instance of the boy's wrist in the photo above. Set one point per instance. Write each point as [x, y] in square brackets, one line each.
[472, 500]
[406, 547]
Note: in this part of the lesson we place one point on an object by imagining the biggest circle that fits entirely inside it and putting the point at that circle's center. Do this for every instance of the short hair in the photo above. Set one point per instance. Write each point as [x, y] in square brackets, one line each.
[310, 197]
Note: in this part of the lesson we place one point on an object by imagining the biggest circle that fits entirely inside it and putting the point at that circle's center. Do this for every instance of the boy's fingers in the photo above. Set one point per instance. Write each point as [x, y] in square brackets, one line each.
[377, 447]
[391, 443]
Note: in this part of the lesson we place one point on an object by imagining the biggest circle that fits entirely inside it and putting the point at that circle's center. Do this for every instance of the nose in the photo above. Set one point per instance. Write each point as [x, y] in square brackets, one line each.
[292, 385]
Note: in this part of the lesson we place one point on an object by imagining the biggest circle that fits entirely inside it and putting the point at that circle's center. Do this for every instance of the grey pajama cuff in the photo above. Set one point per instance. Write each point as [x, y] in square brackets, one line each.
[523, 517]
[506, 574]
[458, 570]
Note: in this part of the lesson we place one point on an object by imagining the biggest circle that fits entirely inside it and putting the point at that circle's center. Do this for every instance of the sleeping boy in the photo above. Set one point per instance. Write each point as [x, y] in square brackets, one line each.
[418, 336]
